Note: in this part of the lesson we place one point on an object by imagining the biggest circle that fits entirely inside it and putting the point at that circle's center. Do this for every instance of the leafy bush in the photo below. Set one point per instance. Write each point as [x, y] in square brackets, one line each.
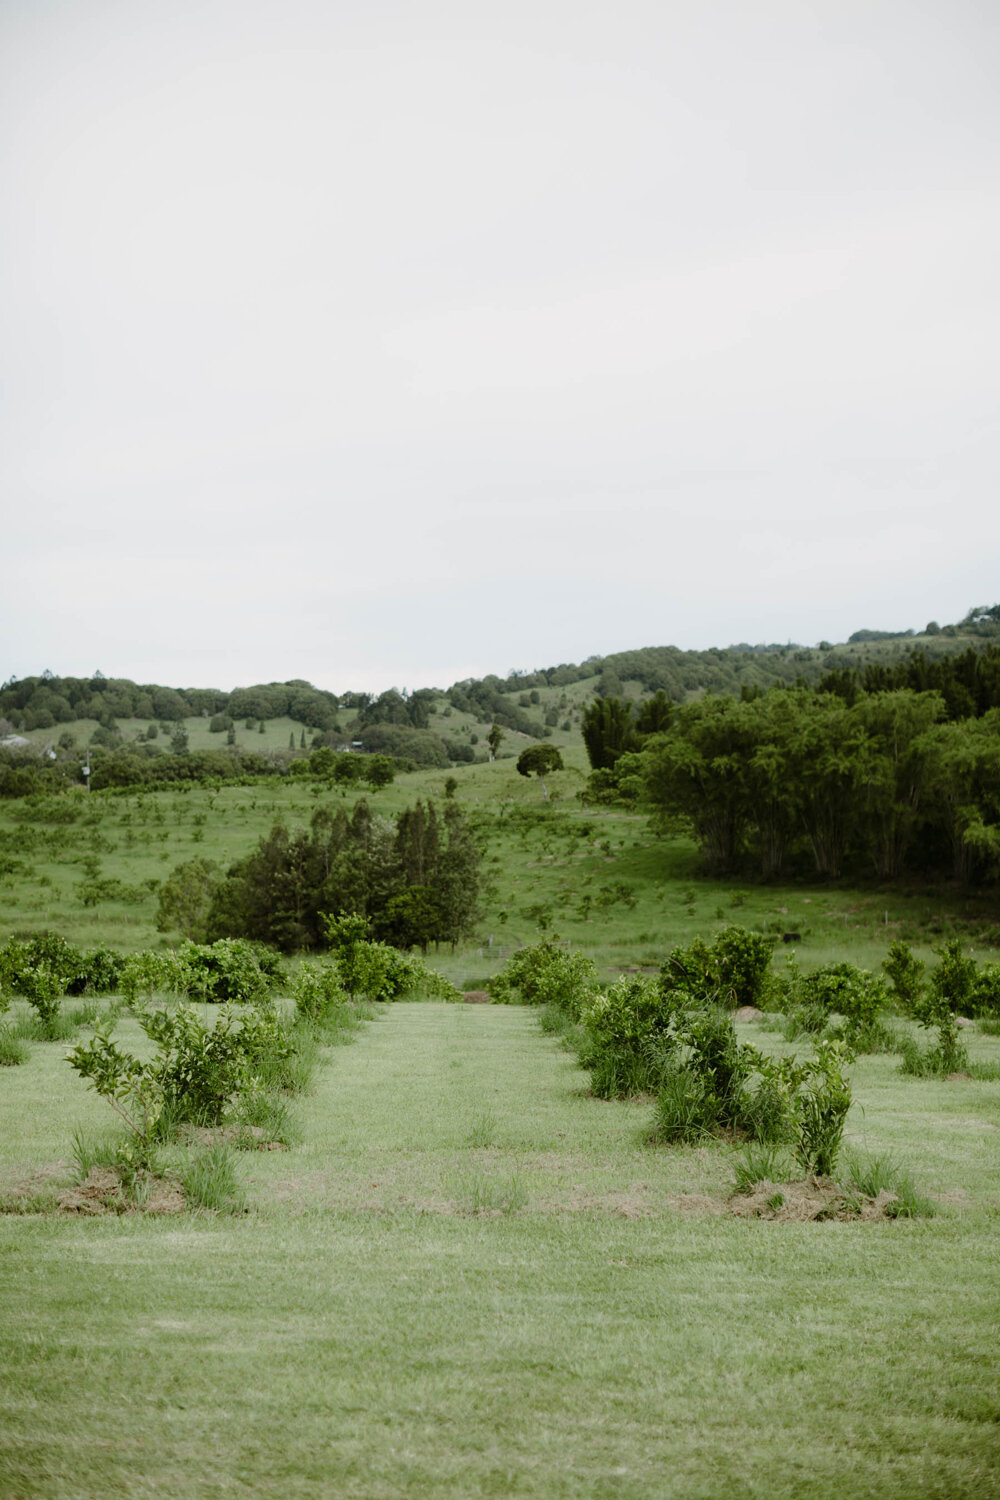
[934, 1012]
[317, 991]
[374, 971]
[38, 961]
[906, 975]
[149, 973]
[630, 1033]
[197, 1070]
[226, 970]
[984, 999]
[42, 987]
[200, 1067]
[731, 970]
[545, 974]
[99, 974]
[953, 980]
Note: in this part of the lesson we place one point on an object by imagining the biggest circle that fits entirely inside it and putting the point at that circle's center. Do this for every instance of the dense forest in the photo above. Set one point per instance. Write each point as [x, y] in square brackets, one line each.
[869, 773]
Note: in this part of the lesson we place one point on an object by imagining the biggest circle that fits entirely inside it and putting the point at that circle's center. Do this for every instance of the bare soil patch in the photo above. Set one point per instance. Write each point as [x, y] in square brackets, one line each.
[809, 1201]
[102, 1192]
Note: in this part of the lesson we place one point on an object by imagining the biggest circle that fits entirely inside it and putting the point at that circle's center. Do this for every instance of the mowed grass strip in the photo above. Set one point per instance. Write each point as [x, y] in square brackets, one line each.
[389, 1323]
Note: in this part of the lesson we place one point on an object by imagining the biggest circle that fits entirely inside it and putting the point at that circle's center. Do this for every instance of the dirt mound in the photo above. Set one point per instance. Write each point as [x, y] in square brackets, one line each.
[102, 1192]
[747, 1013]
[805, 1202]
[476, 997]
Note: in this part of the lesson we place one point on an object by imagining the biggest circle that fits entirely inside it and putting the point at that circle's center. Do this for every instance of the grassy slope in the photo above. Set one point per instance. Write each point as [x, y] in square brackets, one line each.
[559, 862]
[365, 1332]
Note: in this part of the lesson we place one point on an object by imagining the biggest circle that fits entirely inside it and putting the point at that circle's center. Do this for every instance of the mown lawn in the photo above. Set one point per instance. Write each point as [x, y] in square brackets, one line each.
[473, 1280]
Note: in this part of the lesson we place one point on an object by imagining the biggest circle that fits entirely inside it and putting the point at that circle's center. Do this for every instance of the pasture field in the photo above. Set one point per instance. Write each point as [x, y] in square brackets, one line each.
[601, 878]
[471, 1279]
[467, 1277]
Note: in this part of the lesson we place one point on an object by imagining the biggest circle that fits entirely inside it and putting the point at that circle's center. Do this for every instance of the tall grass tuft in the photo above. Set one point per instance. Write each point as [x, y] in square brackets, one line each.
[210, 1182]
[13, 1050]
[761, 1162]
[873, 1172]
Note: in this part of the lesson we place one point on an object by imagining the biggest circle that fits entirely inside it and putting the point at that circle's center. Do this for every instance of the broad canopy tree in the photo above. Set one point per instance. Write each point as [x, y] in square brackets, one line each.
[539, 760]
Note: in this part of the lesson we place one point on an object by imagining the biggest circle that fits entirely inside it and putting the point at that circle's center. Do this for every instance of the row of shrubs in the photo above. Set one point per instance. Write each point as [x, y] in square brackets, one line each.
[673, 1035]
[235, 1071]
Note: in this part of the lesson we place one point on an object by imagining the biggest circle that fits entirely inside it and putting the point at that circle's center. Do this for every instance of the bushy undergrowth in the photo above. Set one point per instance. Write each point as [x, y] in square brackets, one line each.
[545, 973]
[730, 971]
[375, 971]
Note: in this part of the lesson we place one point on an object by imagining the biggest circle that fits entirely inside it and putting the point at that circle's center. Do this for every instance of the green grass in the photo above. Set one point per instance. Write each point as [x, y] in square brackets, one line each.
[470, 1279]
[602, 879]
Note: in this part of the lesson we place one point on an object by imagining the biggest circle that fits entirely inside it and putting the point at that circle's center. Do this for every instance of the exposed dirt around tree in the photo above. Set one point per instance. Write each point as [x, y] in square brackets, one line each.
[811, 1200]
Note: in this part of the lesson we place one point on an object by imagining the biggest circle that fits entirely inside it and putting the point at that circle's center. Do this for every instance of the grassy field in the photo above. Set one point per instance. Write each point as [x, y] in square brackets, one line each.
[602, 879]
[470, 1279]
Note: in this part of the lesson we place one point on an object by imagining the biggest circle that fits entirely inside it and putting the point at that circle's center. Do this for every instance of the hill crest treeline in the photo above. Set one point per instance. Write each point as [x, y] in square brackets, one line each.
[47, 700]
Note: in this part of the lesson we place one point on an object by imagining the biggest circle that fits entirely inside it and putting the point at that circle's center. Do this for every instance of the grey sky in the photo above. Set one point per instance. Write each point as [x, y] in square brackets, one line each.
[385, 343]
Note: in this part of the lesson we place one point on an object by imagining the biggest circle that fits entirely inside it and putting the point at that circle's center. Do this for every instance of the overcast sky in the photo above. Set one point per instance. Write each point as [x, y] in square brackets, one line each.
[396, 341]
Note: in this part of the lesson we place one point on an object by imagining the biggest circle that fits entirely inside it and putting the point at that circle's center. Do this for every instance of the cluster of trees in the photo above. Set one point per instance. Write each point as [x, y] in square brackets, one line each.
[25, 774]
[798, 781]
[43, 702]
[969, 683]
[489, 699]
[134, 765]
[678, 674]
[414, 878]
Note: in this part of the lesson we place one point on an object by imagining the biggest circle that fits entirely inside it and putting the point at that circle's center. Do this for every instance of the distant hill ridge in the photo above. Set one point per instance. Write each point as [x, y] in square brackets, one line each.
[45, 701]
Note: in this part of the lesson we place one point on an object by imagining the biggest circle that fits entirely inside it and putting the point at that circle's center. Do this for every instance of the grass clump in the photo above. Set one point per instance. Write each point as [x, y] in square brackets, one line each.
[13, 1050]
[875, 1173]
[761, 1161]
[209, 1181]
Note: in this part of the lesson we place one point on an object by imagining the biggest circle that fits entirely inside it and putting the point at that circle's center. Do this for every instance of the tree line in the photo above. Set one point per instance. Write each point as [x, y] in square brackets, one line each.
[795, 781]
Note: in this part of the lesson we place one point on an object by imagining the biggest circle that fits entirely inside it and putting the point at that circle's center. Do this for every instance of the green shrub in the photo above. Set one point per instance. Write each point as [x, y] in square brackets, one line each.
[545, 974]
[731, 971]
[934, 1012]
[226, 970]
[906, 975]
[984, 998]
[148, 973]
[628, 1036]
[38, 964]
[99, 973]
[373, 971]
[200, 1066]
[317, 991]
[953, 979]
[42, 987]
